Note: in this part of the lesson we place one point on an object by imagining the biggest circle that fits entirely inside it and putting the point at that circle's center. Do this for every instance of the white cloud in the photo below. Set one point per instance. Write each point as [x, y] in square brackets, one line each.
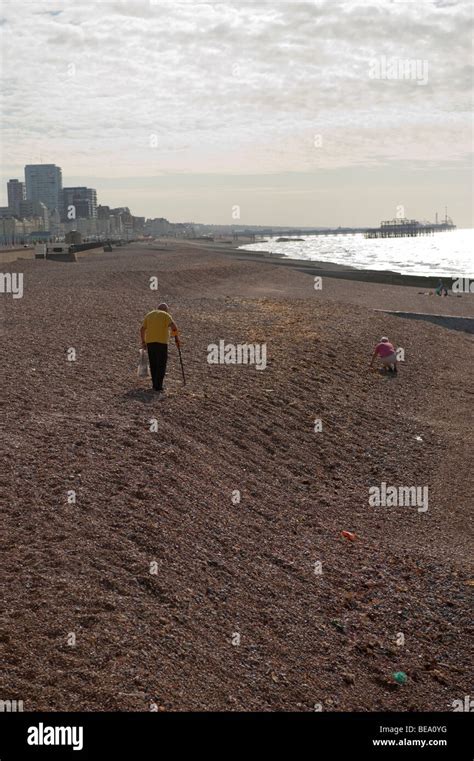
[229, 87]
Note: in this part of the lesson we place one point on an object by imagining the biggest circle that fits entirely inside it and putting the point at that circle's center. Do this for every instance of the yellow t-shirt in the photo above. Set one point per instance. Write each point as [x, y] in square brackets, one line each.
[156, 324]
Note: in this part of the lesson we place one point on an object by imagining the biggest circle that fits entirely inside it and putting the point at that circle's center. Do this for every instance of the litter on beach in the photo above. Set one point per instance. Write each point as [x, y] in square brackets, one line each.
[400, 677]
[349, 535]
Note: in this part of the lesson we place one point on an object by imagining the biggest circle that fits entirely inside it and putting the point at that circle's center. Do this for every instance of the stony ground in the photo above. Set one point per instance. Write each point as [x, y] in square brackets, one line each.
[260, 605]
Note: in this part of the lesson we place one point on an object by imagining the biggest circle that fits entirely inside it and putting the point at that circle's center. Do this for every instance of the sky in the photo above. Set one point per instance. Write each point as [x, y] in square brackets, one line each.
[247, 112]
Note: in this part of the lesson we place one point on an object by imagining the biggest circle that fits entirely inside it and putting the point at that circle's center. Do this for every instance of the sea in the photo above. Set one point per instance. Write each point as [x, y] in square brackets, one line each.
[445, 254]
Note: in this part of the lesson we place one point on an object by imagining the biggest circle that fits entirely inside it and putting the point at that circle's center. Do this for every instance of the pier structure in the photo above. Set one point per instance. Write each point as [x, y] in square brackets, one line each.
[402, 228]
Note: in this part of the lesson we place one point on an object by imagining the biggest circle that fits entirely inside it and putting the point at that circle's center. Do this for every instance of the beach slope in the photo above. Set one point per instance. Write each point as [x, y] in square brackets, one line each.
[185, 552]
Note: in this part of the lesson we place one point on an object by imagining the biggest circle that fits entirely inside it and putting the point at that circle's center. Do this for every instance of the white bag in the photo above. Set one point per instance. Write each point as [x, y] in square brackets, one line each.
[143, 369]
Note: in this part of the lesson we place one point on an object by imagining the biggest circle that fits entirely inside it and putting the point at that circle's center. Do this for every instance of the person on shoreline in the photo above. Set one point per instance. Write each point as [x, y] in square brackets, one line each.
[441, 289]
[386, 351]
[154, 334]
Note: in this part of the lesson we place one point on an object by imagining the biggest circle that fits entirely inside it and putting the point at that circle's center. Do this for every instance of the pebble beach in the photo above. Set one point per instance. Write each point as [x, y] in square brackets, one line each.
[155, 529]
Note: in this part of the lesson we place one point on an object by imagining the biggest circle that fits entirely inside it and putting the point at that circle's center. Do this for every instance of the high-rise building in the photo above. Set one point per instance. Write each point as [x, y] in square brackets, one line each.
[79, 203]
[16, 193]
[44, 183]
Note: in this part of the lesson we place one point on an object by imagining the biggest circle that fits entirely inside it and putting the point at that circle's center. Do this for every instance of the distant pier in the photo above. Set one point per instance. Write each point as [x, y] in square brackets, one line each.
[403, 228]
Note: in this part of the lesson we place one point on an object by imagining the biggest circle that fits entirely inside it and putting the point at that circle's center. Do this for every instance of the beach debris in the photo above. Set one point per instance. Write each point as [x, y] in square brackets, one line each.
[400, 677]
[418, 438]
[349, 535]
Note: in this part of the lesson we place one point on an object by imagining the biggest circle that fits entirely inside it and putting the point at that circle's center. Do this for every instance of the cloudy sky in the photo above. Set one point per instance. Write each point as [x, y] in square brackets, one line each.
[299, 113]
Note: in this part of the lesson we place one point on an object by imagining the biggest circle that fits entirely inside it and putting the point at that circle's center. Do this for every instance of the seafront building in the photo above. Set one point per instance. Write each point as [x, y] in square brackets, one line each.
[14, 231]
[16, 193]
[78, 203]
[34, 209]
[158, 226]
[44, 183]
[40, 209]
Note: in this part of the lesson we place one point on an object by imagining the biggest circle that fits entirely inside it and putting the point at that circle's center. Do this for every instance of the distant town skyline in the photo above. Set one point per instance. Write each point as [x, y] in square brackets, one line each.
[399, 209]
[255, 113]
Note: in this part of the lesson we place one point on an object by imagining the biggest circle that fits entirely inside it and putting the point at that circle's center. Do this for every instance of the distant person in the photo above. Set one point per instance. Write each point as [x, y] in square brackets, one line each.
[386, 352]
[154, 334]
[441, 289]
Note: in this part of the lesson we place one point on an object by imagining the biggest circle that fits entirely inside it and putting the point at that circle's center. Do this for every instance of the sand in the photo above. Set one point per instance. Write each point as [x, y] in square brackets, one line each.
[164, 501]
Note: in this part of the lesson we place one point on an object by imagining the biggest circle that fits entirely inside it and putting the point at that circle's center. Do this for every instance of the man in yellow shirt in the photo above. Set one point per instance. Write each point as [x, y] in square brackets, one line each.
[154, 334]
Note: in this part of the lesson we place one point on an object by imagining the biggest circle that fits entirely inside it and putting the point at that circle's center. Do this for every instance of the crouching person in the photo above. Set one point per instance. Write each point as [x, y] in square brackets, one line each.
[387, 355]
[154, 334]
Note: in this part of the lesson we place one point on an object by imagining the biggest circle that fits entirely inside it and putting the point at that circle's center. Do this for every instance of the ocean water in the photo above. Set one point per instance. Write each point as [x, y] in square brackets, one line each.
[447, 254]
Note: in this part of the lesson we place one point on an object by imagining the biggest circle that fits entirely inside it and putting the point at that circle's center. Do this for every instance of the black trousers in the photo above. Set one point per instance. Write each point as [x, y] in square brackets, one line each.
[158, 356]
